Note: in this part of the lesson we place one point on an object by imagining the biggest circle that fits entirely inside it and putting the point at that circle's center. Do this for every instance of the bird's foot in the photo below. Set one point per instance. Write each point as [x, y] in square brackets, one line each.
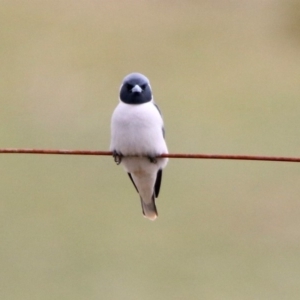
[152, 159]
[117, 157]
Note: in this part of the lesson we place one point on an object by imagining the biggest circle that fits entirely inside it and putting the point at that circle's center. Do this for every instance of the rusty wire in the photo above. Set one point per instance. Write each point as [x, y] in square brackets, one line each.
[170, 155]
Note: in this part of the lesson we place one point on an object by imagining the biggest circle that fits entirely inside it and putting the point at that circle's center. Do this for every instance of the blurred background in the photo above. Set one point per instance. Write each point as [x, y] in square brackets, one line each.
[226, 75]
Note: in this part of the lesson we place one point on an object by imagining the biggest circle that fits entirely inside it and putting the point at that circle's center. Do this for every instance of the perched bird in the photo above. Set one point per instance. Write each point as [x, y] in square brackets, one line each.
[137, 138]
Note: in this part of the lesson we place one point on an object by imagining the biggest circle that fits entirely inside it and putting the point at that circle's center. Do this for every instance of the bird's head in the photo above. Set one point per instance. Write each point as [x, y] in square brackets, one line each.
[135, 89]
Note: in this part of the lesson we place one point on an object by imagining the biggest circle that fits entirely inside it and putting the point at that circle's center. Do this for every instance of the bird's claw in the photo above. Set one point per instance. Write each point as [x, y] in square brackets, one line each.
[152, 159]
[117, 157]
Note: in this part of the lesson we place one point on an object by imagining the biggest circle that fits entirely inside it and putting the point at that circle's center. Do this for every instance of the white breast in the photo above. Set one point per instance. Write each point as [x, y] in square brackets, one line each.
[137, 130]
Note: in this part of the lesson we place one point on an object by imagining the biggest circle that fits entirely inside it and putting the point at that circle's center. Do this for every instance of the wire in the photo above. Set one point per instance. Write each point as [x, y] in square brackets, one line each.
[170, 155]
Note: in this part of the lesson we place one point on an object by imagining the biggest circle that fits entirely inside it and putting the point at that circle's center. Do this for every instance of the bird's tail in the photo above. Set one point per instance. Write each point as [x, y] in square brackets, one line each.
[149, 209]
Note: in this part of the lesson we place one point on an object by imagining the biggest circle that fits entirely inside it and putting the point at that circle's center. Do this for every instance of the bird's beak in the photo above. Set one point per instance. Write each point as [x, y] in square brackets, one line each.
[136, 89]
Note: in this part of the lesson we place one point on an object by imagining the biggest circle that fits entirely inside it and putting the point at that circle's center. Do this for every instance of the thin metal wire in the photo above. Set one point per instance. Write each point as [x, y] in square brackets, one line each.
[170, 155]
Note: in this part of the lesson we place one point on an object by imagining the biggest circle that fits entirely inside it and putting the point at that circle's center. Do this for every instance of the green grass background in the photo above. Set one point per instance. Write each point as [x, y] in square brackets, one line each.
[226, 75]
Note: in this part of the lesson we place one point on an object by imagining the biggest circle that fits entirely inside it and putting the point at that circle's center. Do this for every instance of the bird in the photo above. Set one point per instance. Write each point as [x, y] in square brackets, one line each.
[138, 138]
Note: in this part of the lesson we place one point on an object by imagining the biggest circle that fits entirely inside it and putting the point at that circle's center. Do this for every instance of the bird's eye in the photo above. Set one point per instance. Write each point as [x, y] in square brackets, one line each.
[143, 86]
[129, 87]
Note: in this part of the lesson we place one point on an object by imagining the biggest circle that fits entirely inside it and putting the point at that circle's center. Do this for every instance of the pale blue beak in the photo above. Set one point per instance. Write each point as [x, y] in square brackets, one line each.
[136, 89]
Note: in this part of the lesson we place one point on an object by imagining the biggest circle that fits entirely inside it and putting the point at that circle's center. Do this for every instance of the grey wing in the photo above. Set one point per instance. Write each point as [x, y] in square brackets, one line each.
[163, 129]
[157, 108]
[158, 182]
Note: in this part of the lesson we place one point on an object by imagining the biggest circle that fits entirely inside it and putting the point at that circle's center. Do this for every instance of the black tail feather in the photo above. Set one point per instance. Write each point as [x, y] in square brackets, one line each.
[158, 182]
[132, 181]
